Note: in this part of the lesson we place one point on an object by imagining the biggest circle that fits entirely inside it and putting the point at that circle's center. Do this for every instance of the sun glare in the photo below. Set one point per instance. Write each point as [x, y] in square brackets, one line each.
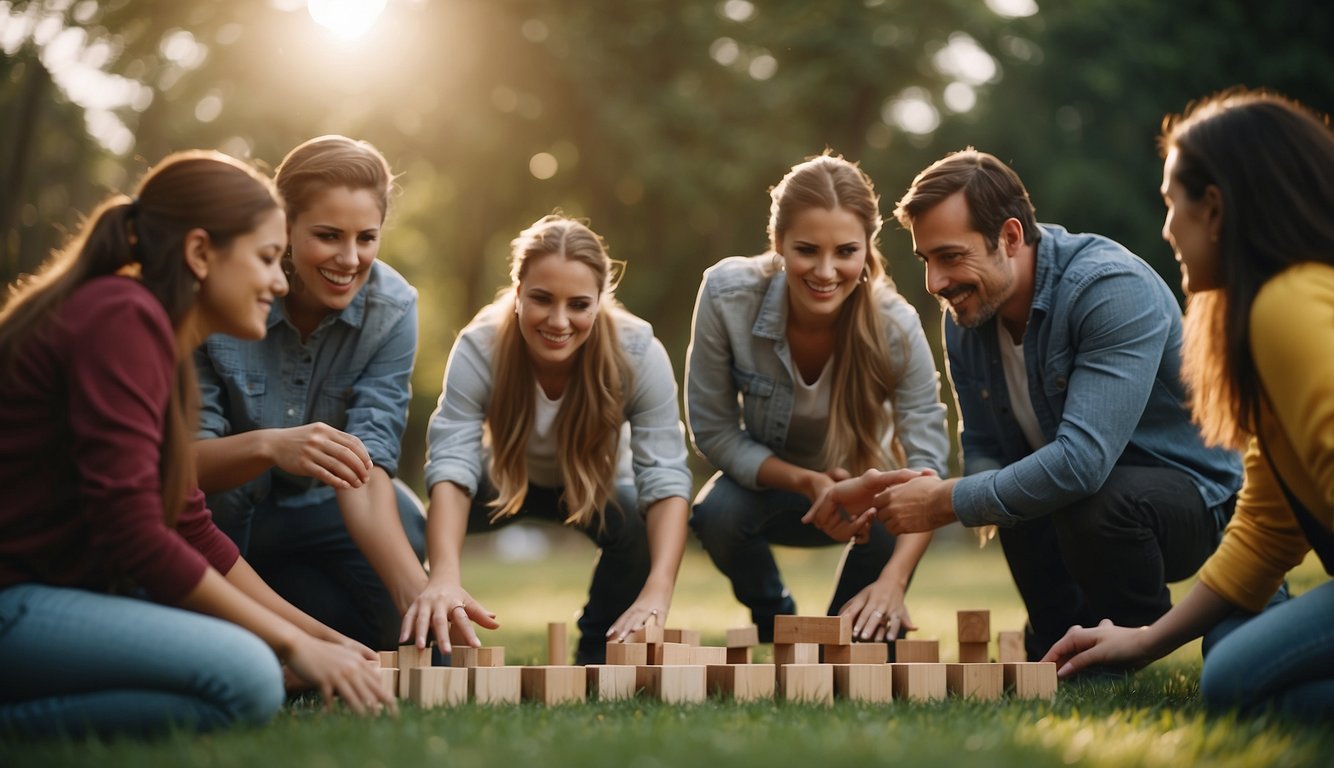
[348, 19]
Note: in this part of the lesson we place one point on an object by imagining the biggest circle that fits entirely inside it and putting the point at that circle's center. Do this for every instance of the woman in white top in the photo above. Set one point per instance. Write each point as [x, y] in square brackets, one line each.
[558, 404]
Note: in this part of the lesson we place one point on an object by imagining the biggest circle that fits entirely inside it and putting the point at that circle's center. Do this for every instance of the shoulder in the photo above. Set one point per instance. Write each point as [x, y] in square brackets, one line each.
[744, 274]
[480, 332]
[1079, 259]
[386, 285]
[634, 333]
[1299, 297]
[892, 307]
[116, 304]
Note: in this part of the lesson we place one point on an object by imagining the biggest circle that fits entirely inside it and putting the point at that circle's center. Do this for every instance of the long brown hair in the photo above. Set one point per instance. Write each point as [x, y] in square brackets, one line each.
[186, 191]
[1272, 161]
[588, 425]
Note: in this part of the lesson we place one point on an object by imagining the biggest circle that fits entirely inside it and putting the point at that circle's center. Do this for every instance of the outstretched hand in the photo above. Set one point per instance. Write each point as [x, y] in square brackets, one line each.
[845, 509]
[448, 611]
[340, 672]
[1103, 645]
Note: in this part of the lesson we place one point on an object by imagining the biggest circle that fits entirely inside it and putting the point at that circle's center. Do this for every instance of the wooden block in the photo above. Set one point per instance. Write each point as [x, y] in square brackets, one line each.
[919, 681]
[975, 681]
[389, 679]
[495, 685]
[831, 630]
[650, 633]
[676, 655]
[741, 682]
[608, 682]
[683, 636]
[410, 657]
[627, 654]
[673, 685]
[1031, 679]
[389, 659]
[654, 653]
[738, 655]
[910, 651]
[467, 656]
[558, 653]
[709, 654]
[974, 626]
[796, 653]
[430, 687]
[1011, 646]
[856, 653]
[864, 682]
[553, 684]
[743, 637]
[973, 653]
[808, 683]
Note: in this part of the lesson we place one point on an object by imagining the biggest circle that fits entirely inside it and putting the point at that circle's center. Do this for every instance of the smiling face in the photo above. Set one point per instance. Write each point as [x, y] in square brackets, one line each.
[334, 242]
[824, 253]
[243, 281]
[971, 282]
[1190, 228]
[557, 302]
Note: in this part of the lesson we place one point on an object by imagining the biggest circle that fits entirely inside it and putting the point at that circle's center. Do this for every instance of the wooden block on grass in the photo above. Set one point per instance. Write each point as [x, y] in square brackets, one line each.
[796, 653]
[974, 681]
[743, 637]
[389, 679]
[807, 683]
[738, 655]
[627, 654]
[607, 682]
[912, 651]
[741, 682]
[553, 684]
[389, 659]
[1011, 646]
[918, 681]
[558, 653]
[864, 682]
[467, 656]
[856, 653]
[673, 685]
[974, 626]
[831, 630]
[495, 685]
[973, 653]
[1030, 679]
[430, 687]
[683, 636]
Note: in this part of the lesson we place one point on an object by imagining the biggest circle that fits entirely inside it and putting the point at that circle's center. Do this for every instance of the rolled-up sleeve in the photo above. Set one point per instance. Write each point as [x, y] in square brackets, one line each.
[377, 411]
[657, 438]
[454, 436]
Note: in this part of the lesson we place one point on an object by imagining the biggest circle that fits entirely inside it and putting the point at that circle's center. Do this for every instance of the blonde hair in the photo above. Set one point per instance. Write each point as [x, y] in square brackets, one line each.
[863, 379]
[588, 424]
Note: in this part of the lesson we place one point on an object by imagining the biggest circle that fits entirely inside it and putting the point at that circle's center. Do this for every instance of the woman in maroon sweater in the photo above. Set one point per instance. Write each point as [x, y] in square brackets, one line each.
[100, 508]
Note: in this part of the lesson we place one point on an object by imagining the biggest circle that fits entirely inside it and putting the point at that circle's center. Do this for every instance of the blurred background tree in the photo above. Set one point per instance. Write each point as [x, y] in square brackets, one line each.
[664, 122]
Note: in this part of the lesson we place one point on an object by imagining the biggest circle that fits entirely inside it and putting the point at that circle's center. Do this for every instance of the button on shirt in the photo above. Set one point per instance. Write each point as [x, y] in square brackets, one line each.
[353, 373]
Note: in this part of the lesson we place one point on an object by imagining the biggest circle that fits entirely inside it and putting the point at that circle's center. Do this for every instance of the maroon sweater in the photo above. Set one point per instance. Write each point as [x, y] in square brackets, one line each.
[81, 425]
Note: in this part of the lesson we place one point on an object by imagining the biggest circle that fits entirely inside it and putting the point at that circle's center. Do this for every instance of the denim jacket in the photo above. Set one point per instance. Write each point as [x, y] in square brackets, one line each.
[353, 373]
[1103, 353]
[656, 452]
[740, 380]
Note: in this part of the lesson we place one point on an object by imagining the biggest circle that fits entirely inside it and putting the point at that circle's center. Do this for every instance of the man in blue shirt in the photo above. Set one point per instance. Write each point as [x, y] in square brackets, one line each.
[1064, 355]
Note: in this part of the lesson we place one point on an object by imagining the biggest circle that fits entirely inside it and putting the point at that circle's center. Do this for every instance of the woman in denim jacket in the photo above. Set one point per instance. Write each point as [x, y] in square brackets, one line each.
[560, 405]
[300, 432]
[805, 365]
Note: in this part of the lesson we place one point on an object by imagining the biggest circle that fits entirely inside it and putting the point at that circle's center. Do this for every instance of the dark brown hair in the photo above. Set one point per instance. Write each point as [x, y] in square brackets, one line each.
[993, 191]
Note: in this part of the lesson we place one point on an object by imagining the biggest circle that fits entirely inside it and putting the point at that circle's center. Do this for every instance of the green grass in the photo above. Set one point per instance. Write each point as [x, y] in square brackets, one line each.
[1150, 719]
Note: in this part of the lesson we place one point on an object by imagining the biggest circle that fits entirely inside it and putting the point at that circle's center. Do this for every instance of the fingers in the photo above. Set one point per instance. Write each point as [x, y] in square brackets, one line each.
[638, 616]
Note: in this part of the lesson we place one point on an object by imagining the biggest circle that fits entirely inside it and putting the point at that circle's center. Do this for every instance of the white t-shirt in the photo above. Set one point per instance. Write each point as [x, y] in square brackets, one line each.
[1016, 380]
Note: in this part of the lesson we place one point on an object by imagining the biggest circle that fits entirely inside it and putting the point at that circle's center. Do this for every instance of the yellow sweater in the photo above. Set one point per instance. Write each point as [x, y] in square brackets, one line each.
[1292, 339]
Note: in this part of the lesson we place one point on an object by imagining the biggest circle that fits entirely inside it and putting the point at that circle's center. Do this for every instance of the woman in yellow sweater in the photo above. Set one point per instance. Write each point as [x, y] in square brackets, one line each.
[1248, 180]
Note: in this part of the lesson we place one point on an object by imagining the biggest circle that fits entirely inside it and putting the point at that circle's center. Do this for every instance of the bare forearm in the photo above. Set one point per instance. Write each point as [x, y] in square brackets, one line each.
[908, 551]
[371, 515]
[216, 596]
[1197, 613]
[226, 462]
[666, 522]
[784, 476]
[446, 525]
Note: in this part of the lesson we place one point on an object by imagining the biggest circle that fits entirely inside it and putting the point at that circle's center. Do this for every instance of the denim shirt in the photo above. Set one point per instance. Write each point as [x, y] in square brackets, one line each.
[740, 376]
[353, 373]
[656, 450]
[1103, 353]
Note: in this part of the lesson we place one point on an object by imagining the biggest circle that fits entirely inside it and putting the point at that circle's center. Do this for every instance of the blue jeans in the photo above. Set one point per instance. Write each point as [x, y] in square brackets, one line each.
[77, 663]
[622, 564]
[1281, 658]
[307, 555]
[737, 526]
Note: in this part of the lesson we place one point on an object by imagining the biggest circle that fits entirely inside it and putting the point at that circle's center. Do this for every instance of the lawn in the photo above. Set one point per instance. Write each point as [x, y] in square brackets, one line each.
[1149, 719]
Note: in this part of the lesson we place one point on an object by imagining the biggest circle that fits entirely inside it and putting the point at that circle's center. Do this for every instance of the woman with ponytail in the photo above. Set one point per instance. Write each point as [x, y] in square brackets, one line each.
[122, 608]
[805, 365]
[559, 405]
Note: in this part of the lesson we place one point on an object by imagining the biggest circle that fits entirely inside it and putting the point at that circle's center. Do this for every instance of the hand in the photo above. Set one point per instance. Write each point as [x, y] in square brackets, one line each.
[317, 450]
[651, 606]
[844, 510]
[918, 505]
[448, 611]
[878, 612]
[337, 671]
[1105, 644]
[816, 483]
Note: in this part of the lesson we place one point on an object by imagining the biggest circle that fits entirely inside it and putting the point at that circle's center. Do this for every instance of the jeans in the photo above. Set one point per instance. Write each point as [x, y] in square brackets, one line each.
[307, 555]
[623, 560]
[737, 526]
[78, 663]
[1111, 555]
[1280, 658]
